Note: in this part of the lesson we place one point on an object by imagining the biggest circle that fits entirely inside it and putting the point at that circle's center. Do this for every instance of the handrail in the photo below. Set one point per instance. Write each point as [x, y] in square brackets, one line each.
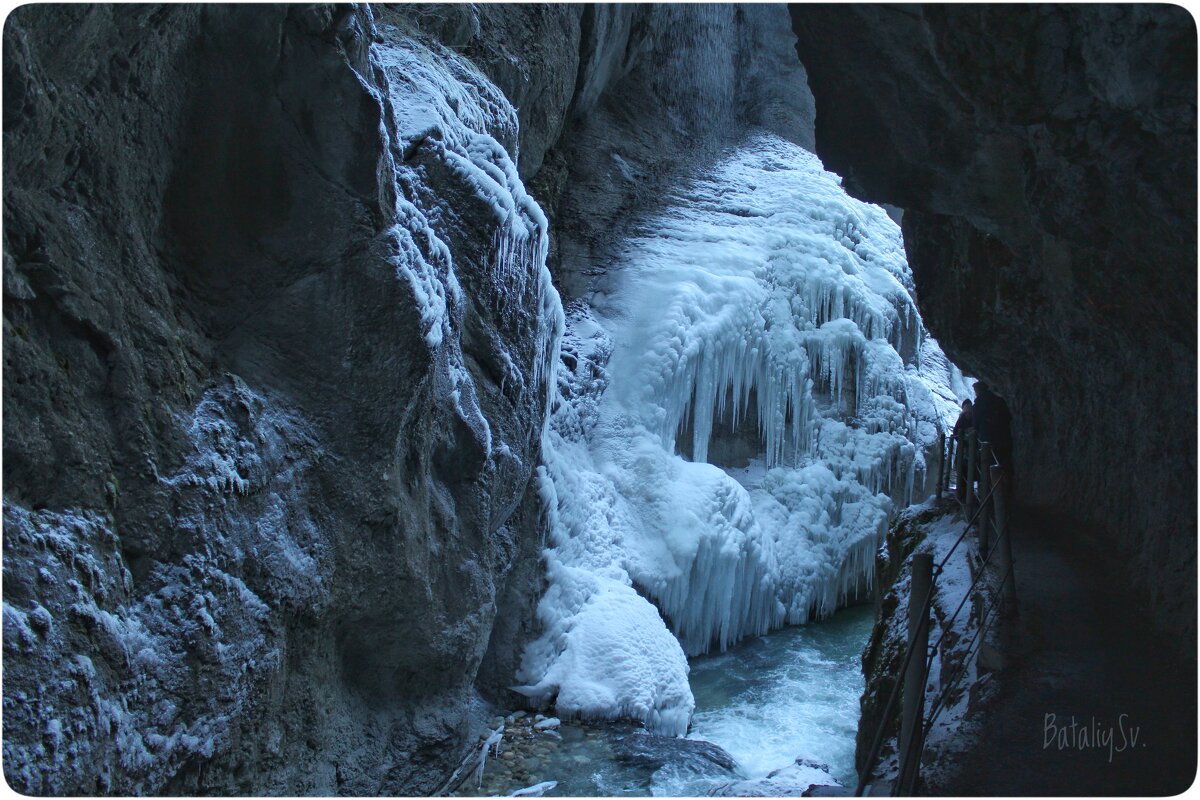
[878, 741]
[993, 605]
[924, 723]
[975, 582]
[986, 620]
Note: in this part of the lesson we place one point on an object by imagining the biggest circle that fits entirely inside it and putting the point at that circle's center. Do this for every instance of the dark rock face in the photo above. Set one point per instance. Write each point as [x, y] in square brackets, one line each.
[661, 89]
[248, 527]
[253, 542]
[1045, 159]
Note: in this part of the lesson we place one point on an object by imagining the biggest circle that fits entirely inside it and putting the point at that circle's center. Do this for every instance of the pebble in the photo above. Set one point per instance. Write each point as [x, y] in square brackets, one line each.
[508, 755]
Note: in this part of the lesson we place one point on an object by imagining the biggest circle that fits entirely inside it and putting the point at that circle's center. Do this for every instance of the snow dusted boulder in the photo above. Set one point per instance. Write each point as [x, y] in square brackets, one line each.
[802, 778]
[611, 655]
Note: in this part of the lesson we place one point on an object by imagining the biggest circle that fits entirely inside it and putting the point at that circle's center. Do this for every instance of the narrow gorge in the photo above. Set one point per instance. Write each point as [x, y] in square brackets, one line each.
[473, 399]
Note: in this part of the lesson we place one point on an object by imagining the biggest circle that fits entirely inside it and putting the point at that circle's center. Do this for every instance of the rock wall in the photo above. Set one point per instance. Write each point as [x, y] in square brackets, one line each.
[616, 99]
[260, 510]
[1045, 159]
[265, 521]
[661, 89]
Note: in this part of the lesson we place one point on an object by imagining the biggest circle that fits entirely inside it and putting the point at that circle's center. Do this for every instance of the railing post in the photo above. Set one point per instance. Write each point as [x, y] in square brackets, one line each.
[951, 459]
[1004, 561]
[984, 529]
[970, 460]
[914, 679]
[941, 464]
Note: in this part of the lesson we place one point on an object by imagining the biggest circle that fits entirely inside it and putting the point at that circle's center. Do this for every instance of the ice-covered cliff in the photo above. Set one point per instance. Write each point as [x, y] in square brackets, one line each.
[280, 348]
[763, 307]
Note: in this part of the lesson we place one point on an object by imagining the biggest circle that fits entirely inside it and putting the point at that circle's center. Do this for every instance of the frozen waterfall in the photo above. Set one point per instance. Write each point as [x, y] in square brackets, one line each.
[762, 303]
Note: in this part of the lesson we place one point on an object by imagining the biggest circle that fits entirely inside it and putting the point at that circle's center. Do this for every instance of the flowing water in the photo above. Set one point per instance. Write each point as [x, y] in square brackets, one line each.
[792, 694]
[788, 695]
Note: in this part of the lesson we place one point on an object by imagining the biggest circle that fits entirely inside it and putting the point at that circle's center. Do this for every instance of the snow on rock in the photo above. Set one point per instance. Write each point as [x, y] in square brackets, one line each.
[444, 114]
[761, 299]
[794, 780]
[127, 682]
[609, 652]
[537, 790]
[114, 668]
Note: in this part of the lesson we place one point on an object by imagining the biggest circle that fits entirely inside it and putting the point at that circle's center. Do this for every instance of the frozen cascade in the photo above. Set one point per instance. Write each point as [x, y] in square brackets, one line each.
[761, 291]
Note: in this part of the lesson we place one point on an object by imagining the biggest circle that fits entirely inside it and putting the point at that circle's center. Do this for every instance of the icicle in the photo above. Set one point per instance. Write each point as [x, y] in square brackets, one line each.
[719, 316]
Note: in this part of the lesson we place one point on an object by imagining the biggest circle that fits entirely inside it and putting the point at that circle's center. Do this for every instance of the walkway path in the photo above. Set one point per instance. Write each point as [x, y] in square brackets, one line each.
[1082, 648]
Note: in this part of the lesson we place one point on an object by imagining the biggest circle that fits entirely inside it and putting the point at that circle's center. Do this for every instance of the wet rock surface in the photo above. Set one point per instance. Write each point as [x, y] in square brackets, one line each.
[585, 759]
[1045, 159]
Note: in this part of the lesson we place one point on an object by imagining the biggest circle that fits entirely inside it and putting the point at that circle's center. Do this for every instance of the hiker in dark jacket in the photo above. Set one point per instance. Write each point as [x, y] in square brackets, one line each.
[993, 423]
[984, 407]
[963, 426]
[965, 421]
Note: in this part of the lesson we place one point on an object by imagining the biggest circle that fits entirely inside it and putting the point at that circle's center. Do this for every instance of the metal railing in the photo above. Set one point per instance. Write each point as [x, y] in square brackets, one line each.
[987, 512]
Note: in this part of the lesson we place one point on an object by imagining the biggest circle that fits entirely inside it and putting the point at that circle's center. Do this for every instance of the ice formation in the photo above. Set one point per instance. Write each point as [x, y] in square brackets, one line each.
[444, 114]
[762, 302]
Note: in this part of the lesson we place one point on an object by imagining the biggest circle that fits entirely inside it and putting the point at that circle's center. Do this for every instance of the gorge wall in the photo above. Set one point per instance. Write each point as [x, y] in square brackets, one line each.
[1045, 159]
[265, 467]
[272, 398]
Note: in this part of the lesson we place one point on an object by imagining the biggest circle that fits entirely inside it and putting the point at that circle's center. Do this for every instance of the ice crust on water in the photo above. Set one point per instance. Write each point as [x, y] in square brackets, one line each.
[762, 295]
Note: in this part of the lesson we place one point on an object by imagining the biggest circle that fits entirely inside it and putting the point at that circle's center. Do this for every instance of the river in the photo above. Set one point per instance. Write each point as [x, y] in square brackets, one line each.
[792, 694]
